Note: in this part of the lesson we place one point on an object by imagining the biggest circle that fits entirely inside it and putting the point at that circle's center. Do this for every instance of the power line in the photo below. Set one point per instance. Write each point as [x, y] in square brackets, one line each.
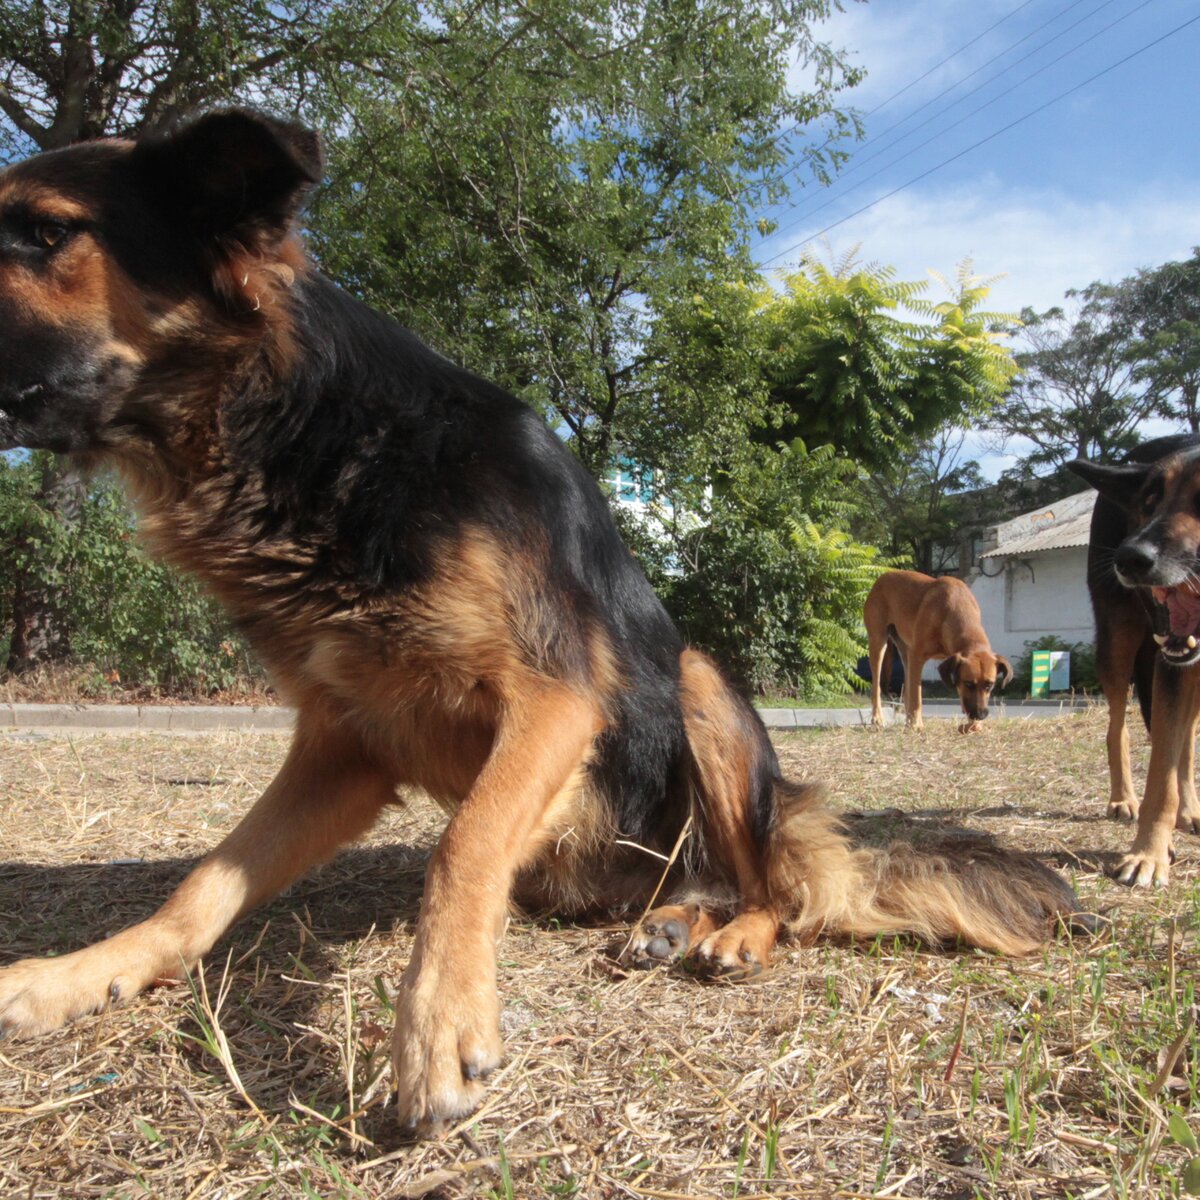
[808, 212]
[938, 65]
[913, 82]
[858, 160]
[992, 136]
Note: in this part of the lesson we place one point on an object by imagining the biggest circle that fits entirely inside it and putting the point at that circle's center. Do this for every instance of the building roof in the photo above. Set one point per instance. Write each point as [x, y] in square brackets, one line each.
[1057, 527]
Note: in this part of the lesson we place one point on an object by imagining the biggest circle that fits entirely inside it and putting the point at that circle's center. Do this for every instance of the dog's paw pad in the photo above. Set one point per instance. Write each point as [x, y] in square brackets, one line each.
[663, 937]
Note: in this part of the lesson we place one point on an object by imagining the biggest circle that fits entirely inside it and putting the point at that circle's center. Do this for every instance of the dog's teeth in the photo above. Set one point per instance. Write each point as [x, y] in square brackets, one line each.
[1191, 642]
[1161, 638]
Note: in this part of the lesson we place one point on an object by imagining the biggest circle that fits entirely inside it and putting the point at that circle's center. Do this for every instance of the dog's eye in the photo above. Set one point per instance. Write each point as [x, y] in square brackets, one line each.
[48, 234]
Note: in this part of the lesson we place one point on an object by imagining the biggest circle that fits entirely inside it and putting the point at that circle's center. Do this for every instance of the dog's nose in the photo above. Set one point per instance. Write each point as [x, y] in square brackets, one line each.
[1133, 559]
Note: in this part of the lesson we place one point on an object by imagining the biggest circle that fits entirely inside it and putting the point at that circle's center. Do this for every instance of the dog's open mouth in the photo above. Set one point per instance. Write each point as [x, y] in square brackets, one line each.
[1177, 622]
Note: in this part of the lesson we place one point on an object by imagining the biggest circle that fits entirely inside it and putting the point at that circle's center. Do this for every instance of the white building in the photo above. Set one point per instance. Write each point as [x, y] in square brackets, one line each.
[1031, 578]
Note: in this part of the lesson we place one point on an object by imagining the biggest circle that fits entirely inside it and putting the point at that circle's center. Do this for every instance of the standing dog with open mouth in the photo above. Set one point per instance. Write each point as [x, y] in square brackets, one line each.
[436, 585]
[1144, 580]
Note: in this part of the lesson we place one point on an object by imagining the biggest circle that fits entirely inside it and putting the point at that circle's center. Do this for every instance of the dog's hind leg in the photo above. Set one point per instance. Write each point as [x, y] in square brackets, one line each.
[1189, 806]
[447, 1036]
[327, 793]
[732, 770]
[1121, 638]
[877, 647]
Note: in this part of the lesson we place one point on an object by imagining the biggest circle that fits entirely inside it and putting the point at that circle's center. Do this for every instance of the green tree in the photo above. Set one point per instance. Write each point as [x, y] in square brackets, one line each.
[1163, 304]
[78, 69]
[861, 361]
[924, 509]
[1079, 393]
[116, 609]
[564, 201]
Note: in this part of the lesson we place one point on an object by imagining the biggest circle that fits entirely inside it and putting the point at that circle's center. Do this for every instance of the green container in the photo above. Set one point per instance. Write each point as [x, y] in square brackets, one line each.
[1040, 683]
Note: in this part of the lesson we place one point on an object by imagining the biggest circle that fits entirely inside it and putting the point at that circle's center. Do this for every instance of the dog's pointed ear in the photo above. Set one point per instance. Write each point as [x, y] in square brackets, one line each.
[232, 174]
[948, 669]
[1004, 671]
[1118, 484]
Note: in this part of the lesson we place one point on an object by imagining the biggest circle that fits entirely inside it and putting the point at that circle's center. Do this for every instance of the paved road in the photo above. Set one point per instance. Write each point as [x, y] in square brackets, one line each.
[203, 718]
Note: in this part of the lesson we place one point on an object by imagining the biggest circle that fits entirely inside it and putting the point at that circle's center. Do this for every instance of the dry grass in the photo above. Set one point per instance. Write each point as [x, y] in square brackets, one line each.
[878, 1070]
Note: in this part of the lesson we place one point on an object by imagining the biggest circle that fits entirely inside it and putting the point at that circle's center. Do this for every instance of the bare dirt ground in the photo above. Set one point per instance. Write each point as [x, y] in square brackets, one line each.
[886, 1069]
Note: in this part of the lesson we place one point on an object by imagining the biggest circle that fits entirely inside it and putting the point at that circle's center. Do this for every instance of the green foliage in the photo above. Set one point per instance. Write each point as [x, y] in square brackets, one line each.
[1078, 394]
[860, 361]
[121, 610]
[565, 203]
[1163, 305]
[926, 507]
[770, 584]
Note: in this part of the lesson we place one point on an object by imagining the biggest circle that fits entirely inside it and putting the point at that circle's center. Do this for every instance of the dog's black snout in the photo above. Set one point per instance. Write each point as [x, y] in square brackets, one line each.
[1134, 559]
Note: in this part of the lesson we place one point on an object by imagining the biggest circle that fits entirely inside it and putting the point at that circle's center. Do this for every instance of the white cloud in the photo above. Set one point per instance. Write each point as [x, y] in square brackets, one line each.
[897, 43]
[1044, 241]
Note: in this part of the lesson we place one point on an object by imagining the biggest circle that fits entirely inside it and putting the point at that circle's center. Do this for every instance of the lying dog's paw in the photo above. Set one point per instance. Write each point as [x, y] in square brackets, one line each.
[728, 954]
[663, 937]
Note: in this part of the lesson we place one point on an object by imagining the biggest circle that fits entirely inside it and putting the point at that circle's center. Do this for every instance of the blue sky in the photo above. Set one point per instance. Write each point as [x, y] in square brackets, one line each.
[1093, 187]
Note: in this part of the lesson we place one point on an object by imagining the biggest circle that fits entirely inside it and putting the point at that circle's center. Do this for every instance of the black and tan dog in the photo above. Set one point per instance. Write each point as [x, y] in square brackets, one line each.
[437, 587]
[923, 618]
[1144, 580]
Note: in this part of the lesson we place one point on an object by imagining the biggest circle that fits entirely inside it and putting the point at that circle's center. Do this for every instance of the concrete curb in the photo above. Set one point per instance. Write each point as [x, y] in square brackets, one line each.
[189, 718]
[210, 718]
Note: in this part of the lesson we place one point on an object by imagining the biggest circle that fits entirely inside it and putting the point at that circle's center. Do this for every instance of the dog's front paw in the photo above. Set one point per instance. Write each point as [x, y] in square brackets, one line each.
[1188, 820]
[446, 1043]
[38, 995]
[1144, 868]
[1122, 810]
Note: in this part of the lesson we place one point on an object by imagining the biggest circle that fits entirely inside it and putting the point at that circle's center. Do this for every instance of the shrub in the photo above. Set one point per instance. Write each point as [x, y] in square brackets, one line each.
[121, 611]
[770, 587]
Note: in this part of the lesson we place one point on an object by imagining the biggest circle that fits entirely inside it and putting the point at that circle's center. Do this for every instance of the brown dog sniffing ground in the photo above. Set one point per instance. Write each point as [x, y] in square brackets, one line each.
[926, 618]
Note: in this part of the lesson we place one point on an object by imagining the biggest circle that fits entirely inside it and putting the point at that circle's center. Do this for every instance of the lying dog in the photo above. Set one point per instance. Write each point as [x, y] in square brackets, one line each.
[926, 618]
[436, 586]
[1142, 576]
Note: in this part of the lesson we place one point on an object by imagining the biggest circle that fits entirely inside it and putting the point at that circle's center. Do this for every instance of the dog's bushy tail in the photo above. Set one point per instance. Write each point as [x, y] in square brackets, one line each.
[822, 883]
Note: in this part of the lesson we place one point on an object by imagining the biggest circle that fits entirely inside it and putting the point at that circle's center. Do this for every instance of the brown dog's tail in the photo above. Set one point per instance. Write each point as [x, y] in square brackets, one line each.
[991, 898]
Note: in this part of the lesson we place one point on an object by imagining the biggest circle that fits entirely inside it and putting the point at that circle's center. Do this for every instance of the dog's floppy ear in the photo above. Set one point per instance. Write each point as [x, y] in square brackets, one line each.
[232, 174]
[1004, 671]
[1118, 484]
[948, 669]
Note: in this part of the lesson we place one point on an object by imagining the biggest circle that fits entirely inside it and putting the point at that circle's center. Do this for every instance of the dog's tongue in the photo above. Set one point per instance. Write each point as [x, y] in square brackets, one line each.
[1183, 605]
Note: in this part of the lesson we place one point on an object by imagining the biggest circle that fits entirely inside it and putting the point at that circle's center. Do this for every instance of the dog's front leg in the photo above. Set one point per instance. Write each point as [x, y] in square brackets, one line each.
[1188, 817]
[1172, 727]
[447, 1037]
[325, 794]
